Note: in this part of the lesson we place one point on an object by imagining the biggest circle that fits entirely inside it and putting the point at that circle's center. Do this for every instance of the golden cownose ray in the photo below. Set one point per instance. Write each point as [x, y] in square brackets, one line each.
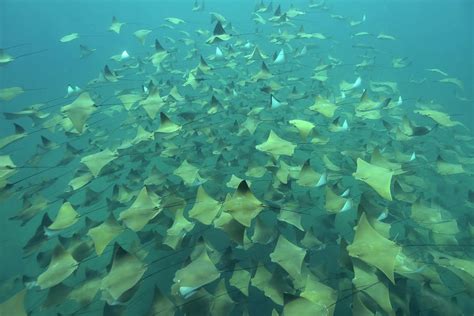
[233, 229]
[243, 205]
[266, 282]
[439, 117]
[222, 303]
[15, 305]
[330, 165]
[445, 168]
[79, 111]
[465, 266]
[199, 272]
[240, 280]
[104, 233]
[385, 87]
[67, 216]
[174, 21]
[304, 307]
[320, 75]
[96, 162]
[141, 136]
[7, 169]
[378, 160]
[5, 58]
[69, 37]
[290, 215]
[454, 81]
[366, 280]
[384, 36]
[7, 94]
[320, 294]
[161, 304]
[19, 134]
[436, 219]
[125, 272]
[368, 245]
[152, 104]
[141, 35]
[116, 25]
[128, 100]
[310, 178]
[263, 233]
[82, 179]
[256, 54]
[276, 146]
[174, 94]
[181, 226]
[85, 293]
[316, 299]
[158, 57]
[289, 256]
[335, 203]
[402, 62]
[263, 74]
[205, 208]
[323, 106]
[188, 173]
[191, 81]
[218, 35]
[166, 125]
[62, 265]
[304, 127]
[145, 207]
[378, 178]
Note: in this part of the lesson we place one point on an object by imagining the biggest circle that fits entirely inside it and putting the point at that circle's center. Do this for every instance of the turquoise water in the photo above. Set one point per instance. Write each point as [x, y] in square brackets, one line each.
[217, 141]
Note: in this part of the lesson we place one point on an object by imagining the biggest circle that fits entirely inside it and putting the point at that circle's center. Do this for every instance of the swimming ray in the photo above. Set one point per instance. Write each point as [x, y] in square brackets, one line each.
[15, 305]
[205, 208]
[289, 256]
[96, 162]
[243, 205]
[8, 94]
[276, 146]
[116, 26]
[197, 273]
[79, 111]
[66, 217]
[145, 207]
[124, 273]
[104, 233]
[62, 265]
[378, 178]
[367, 246]
[69, 37]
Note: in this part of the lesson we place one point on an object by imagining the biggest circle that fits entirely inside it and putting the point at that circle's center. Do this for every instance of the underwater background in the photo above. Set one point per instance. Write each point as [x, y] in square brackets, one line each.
[430, 34]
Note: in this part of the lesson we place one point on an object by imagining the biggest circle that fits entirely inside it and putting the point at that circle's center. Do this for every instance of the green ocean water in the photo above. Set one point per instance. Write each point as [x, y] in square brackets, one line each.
[429, 34]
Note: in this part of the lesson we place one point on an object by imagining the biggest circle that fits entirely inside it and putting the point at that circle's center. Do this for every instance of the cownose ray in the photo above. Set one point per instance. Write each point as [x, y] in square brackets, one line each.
[243, 205]
[104, 233]
[378, 178]
[8, 94]
[199, 272]
[125, 272]
[276, 146]
[289, 256]
[146, 206]
[79, 111]
[205, 208]
[62, 265]
[69, 37]
[66, 217]
[367, 246]
[96, 162]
